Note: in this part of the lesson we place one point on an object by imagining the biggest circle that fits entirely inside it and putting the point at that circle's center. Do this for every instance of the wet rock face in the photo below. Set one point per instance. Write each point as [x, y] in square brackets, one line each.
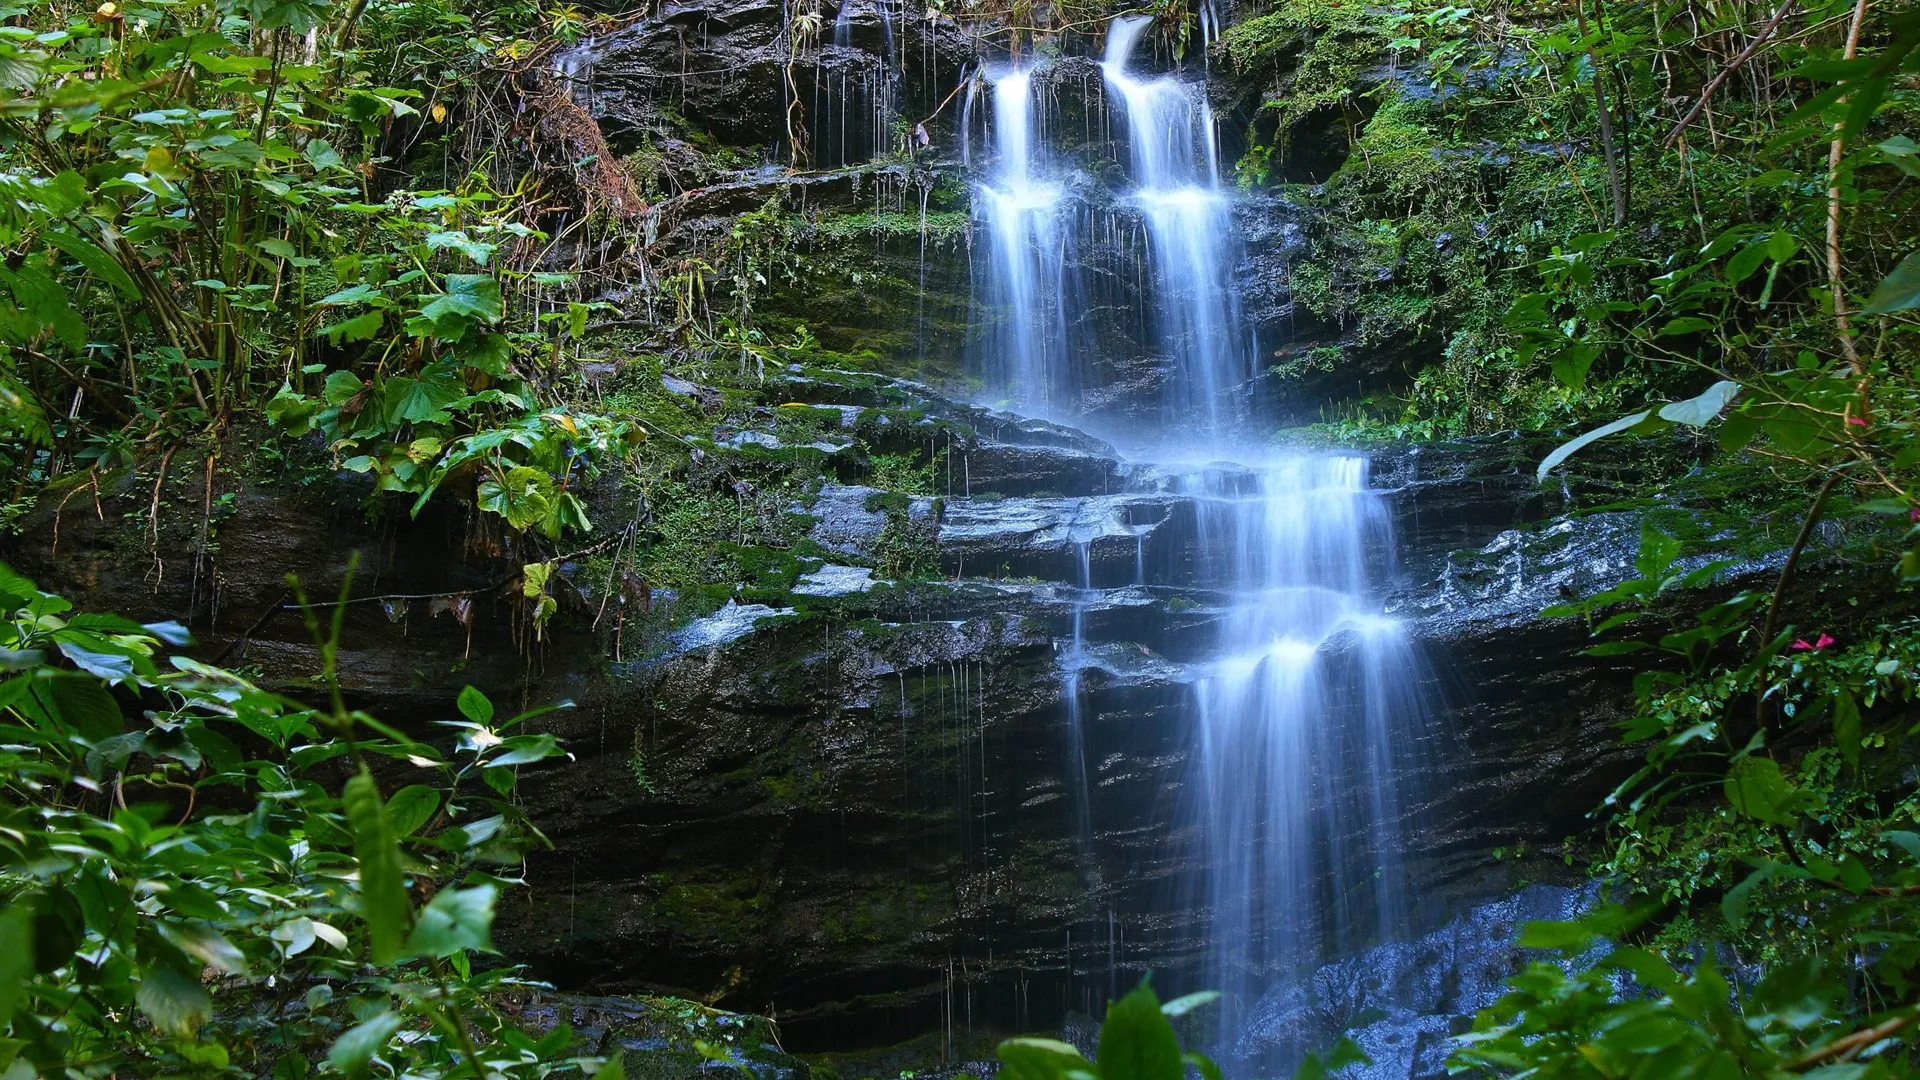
[662, 1038]
[852, 808]
[1403, 1001]
[723, 66]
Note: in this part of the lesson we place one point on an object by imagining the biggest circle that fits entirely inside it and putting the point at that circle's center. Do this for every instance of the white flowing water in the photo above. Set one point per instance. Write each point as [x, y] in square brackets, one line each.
[1305, 710]
[1297, 722]
[1176, 175]
[1023, 214]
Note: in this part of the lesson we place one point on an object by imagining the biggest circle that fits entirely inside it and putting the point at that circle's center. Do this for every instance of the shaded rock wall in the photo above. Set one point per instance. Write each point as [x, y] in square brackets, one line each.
[853, 812]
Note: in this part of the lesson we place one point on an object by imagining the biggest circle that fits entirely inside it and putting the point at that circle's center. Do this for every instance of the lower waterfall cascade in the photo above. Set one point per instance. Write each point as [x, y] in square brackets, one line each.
[1309, 705]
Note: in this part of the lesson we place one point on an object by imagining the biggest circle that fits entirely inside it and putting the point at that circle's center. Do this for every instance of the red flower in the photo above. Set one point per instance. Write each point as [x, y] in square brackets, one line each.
[1857, 421]
[1820, 642]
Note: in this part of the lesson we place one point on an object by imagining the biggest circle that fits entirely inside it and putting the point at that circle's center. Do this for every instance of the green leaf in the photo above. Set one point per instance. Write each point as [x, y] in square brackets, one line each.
[1757, 789]
[1657, 552]
[1745, 262]
[489, 353]
[1137, 1042]
[1846, 725]
[526, 749]
[1041, 1059]
[457, 919]
[1571, 364]
[474, 296]
[1345, 1054]
[383, 895]
[90, 255]
[412, 807]
[341, 386]
[16, 957]
[1567, 936]
[614, 1069]
[173, 1000]
[353, 1050]
[1181, 1006]
[1700, 411]
[86, 706]
[1900, 291]
[207, 945]
[1906, 841]
[1568, 449]
[422, 399]
[478, 251]
[321, 155]
[475, 706]
[353, 294]
[360, 327]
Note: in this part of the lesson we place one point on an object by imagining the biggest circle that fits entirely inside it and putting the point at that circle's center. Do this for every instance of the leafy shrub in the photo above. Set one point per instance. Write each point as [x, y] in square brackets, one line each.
[202, 878]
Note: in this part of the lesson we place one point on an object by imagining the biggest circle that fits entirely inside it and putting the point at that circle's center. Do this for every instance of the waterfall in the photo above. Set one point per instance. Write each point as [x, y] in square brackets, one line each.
[1176, 173]
[1023, 215]
[1298, 722]
[1306, 709]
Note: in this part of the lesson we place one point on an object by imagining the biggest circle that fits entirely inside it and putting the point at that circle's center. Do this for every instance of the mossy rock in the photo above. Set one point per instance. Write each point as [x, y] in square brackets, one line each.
[664, 1038]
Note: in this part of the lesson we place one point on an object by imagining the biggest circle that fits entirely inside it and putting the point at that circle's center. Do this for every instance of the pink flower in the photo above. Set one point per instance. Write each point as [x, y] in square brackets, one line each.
[1820, 642]
[1913, 515]
[1857, 421]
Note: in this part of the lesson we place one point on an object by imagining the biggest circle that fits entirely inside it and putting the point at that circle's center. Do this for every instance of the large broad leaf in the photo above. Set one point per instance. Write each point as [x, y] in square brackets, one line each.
[1041, 1059]
[477, 250]
[383, 895]
[1137, 1042]
[474, 296]
[456, 920]
[1756, 788]
[422, 399]
[412, 807]
[173, 1000]
[354, 1050]
[1345, 1054]
[16, 957]
[1181, 1006]
[85, 706]
[1900, 291]
[1700, 411]
[475, 706]
[1568, 449]
[341, 386]
[206, 944]
[1657, 552]
[94, 258]
[359, 328]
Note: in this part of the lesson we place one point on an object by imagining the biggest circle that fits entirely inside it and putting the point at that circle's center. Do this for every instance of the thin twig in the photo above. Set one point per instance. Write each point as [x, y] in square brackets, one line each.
[1834, 156]
[1706, 93]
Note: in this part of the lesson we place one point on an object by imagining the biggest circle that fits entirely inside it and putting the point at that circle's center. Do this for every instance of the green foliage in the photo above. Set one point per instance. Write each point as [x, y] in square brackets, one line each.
[186, 894]
[1802, 863]
[1137, 1042]
[198, 225]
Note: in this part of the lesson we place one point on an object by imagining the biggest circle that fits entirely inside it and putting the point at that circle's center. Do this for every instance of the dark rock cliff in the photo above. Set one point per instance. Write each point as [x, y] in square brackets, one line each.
[851, 811]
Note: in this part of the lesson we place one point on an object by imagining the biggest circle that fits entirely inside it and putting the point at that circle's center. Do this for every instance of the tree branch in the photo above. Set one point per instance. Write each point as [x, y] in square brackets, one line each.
[1738, 62]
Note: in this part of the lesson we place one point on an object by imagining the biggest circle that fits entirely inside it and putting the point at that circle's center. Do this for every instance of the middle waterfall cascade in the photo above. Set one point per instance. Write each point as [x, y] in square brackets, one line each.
[1300, 721]
[1307, 706]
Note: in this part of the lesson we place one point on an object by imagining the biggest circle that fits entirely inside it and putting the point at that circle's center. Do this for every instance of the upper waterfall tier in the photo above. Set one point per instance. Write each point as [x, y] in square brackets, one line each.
[1073, 260]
